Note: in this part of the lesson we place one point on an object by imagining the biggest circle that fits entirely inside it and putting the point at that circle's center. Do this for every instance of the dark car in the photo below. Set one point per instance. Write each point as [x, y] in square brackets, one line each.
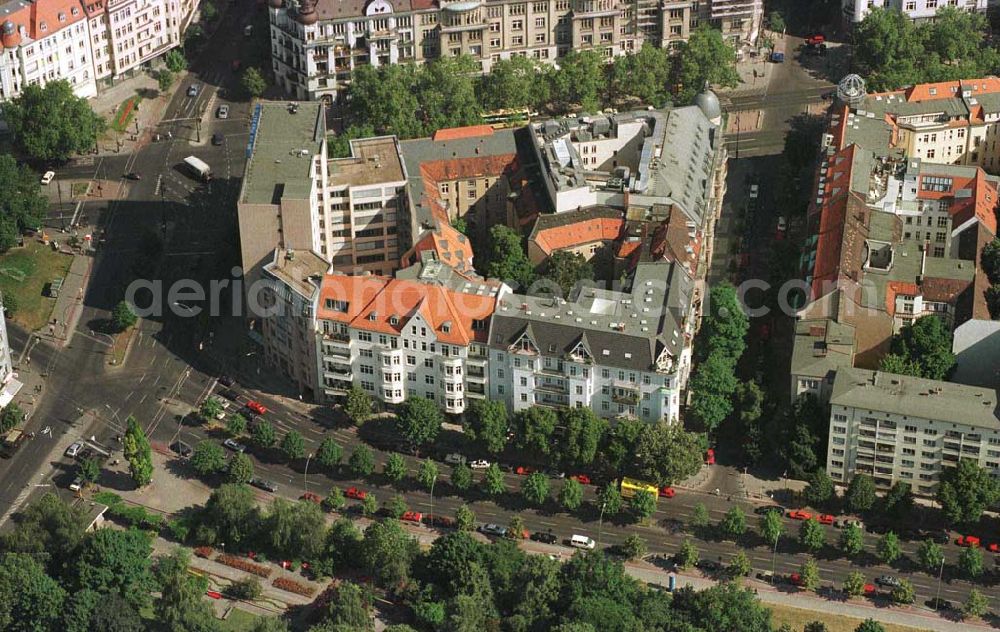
[709, 566]
[193, 90]
[263, 483]
[880, 529]
[229, 394]
[766, 509]
[545, 537]
[132, 175]
[225, 380]
[939, 604]
[887, 581]
[181, 448]
[217, 138]
[940, 537]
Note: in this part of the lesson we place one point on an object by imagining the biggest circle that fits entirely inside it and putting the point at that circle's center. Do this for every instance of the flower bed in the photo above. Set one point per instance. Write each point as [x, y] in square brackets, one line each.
[203, 551]
[244, 565]
[292, 586]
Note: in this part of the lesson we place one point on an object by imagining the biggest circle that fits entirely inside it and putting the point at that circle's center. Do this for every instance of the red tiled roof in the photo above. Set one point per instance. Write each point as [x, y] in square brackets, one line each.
[386, 306]
[942, 290]
[842, 232]
[455, 133]
[435, 172]
[452, 247]
[898, 288]
[579, 233]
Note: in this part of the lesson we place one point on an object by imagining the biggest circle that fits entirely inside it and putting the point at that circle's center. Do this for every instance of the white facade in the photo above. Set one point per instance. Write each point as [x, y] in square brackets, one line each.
[856, 10]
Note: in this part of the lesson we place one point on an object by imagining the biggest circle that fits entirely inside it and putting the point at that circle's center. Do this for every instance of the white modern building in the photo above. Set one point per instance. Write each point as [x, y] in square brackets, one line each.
[9, 385]
[901, 428]
[856, 10]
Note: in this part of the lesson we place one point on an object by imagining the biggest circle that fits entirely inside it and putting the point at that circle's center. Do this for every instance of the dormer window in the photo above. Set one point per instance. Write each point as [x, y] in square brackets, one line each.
[42, 27]
[446, 327]
[373, 316]
[74, 11]
[62, 17]
[393, 320]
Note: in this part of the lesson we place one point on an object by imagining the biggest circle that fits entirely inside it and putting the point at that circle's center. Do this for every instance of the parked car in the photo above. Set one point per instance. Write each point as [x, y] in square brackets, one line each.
[782, 224]
[77, 484]
[193, 90]
[545, 537]
[842, 523]
[443, 522]
[777, 58]
[479, 464]
[74, 449]
[869, 589]
[355, 493]
[48, 176]
[524, 470]
[815, 39]
[938, 603]
[992, 547]
[887, 581]
[218, 139]
[709, 566]
[754, 191]
[256, 407]
[454, 459]
[180, 448]
[766, 576]
[311, 497]
[766, 509]
[710, 457]
[230, 394]
[582, 542]
[412, 516]
[970, 541]
[263, 483]
[798, 514]
[234, 445]
[223, 111]
[583, 479]
[826, 519]
[493, 529]
[226, 381]
[667, 492]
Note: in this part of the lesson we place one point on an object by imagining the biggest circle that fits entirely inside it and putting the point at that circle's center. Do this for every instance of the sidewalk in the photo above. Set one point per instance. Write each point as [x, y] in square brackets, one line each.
[69, 305]
[147, 116]
[755, 72]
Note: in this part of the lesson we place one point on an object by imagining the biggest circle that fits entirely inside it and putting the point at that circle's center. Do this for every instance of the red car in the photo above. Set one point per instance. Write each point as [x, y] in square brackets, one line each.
[412, 516]
[795, 578]
[816, 40]
[667, 492]
[869, 589]
[311, 497]
[524, 470]
[969, 541]
[993, 548]
[583, 479]
[355, 493]
[825, 519]
[710, 457]
[798, 514]
[256, 407]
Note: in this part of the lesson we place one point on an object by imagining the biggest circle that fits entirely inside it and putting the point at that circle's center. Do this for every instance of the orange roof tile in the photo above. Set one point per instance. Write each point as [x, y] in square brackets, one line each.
[455, 133]
[452, 247]
[579, 233]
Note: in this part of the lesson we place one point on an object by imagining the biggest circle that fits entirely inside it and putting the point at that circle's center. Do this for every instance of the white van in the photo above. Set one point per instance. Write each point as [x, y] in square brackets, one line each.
[248, 30]
[582, 542]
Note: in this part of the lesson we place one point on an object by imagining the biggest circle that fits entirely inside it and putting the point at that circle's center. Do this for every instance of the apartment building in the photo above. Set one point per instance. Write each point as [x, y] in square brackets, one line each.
[620, 353]
[315, 44]
[856, 10]
[84, 42]
[901, 428]
[9, 384]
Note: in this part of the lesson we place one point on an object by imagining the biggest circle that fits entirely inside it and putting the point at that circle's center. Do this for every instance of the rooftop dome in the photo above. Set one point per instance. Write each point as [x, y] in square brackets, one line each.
[307, 12]
[708, 102]
[11, 37]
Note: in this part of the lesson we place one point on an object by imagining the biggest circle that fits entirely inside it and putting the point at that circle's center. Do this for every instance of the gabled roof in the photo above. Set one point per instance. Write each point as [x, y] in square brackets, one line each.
[449, 246]
[571, 229]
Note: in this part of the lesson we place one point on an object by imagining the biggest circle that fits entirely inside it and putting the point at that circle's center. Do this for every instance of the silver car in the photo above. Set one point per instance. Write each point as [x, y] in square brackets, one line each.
[234, 445]
[223, 112]
[493, 529]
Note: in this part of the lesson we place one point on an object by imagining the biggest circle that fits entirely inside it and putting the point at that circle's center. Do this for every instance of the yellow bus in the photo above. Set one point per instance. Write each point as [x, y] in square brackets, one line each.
[631, 486]
[508, 118]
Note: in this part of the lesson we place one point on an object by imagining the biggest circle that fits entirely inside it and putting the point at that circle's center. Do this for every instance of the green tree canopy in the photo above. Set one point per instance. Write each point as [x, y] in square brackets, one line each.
[666, 453]
[116, 561]
[240, 469]
[30, 600]
[137, 452]
[644, 75]
[518, 82]
[394, 468]
[571, 494]
[122, 317]
[419, 420]
[387, 552]
[293, 445]
[535, 488]
[922, 349]
[966, 491]
[487, 423]
[579, 80]
[535, 428]
[581, 436]
[566, 269]
[861, 493]
[51, 123]
[231, 514]
[253, 83]
[852, 540]
[358, 404]
[262, 434]
[362, 461]
[642, 504]
[329, 453]
[22, 205]
[811, 535]
[734, 523]
[208, 458]
[294, 529]
[820, 489]
[507, 260]
[705, 58]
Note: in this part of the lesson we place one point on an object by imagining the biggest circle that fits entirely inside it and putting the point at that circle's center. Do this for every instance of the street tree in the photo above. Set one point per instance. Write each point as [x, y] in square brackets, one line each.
[293, 445]
[395, 507]
[820, 488]
[329, 453]
[210, 408]
[518, 82]
[889, 549]
[632, 547]
[446, 91]
[535, 488]
[976, 606]
[713, 384]
[90, 470]
[642, 504]
[358, 405]
[705, 58]
[567, 269]
[571, 495]
[861, 493]
[487, 425]
[208, 458]
[898, 502]
[394, 469]
[930, 556]
[686, 555]
[461, 477]
[610, 499]
[465, 518]
[507, 259]
[619, 444]
[515, 528]
[253, 83]
[493, 483]
[869, 625]
[740, 565]
[262, 434]
[581, 436]
[809, 575]
[776, 21]
[51, 123]
[970, 561]
[175, 61]
[579, 80]
[427, 474]
[734, 523]
[116, 561]
[22, 206]
[854, 584]
[925, 346]
[852, 540]
[122, 316]
[362, 461]
[335, 500]
[236, 424]
[137, 452]
[666, 453]
[966, 491]
[10, 417]
[369, 505]
[644, 75]
[535, 428]
[903, 593]
[230, 515]
[386, 552]
[811, 535]
[240, 469]
[772, 527]
[419, 420]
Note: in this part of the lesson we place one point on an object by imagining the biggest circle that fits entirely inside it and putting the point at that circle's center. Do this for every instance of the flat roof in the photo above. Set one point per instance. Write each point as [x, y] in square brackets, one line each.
[916, 397]
[288, 135]
[372, 161]
[301, 270]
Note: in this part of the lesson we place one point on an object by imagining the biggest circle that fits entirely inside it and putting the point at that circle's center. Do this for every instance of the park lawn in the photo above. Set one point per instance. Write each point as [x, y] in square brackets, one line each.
[238, 621]
[797, 618]
[24, 274]
[124, 113]
[80, 189]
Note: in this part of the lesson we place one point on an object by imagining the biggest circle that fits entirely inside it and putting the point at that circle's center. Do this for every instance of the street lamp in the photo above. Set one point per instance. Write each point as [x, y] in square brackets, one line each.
[600, 524]
[305, 474]
[937, 599]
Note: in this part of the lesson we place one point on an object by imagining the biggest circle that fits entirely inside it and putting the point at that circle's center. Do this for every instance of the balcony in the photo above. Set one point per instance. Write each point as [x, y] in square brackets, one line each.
[338, 374]
[550, 387]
